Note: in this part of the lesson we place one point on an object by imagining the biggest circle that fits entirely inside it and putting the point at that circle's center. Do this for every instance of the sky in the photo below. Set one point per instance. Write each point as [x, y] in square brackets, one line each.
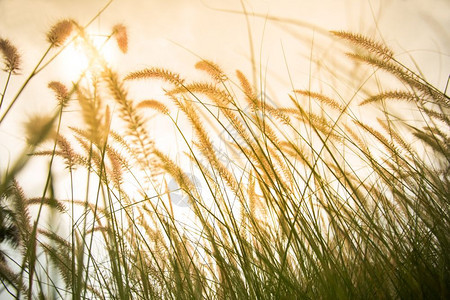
[157, 28]
[175, 33]
[155, 25]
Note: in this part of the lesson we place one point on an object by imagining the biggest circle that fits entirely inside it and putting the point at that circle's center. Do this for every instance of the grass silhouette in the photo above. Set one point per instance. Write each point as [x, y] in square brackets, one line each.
[305, 200]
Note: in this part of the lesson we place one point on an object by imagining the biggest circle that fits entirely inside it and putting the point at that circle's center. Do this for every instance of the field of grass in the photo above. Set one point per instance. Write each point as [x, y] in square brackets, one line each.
[328, 193]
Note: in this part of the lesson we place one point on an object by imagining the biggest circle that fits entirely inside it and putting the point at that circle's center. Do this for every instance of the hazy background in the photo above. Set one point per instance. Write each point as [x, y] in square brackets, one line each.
[171, 33]
[418, 26]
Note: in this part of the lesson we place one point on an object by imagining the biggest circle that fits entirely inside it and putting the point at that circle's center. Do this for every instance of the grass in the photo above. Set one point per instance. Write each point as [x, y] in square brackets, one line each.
[305, 200]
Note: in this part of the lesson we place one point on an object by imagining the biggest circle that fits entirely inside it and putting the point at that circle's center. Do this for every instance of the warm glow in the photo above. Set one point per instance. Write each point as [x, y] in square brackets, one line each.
[78, 58]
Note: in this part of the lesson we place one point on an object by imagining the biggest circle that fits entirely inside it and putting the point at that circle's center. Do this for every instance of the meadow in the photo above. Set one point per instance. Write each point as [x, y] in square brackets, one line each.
[212, 188]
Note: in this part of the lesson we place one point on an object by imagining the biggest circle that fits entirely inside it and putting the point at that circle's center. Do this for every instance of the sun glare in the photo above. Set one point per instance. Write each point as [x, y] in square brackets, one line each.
[79, 58]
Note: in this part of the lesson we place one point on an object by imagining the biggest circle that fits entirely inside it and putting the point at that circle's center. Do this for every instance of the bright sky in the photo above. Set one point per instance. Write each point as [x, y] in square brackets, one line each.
[153, 25]
[157, 28]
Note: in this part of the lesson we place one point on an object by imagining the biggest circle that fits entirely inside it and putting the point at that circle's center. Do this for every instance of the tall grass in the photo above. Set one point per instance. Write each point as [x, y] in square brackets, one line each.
[303, 200]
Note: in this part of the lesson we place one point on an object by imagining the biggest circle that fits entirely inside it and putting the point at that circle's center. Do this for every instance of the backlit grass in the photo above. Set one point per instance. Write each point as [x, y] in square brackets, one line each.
[317, 195]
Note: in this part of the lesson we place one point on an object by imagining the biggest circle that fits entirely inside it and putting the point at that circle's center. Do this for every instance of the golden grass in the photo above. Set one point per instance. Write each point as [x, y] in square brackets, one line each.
[296, 204]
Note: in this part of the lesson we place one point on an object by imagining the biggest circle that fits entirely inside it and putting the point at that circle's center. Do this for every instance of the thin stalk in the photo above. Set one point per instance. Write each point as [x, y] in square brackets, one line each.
[6, 86]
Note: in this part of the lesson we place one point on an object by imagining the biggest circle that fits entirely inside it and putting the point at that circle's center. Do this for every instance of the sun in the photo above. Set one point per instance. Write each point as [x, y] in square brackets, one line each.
[85, 56]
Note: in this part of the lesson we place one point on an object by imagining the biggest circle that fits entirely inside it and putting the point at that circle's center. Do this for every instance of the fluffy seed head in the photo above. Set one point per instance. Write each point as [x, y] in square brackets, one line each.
[10, 55]
[154, 104]
[120, 33]
[58, 34]
[38, 128]
[212, 69]
[61, 92]
[362, 41]
[158, 73]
